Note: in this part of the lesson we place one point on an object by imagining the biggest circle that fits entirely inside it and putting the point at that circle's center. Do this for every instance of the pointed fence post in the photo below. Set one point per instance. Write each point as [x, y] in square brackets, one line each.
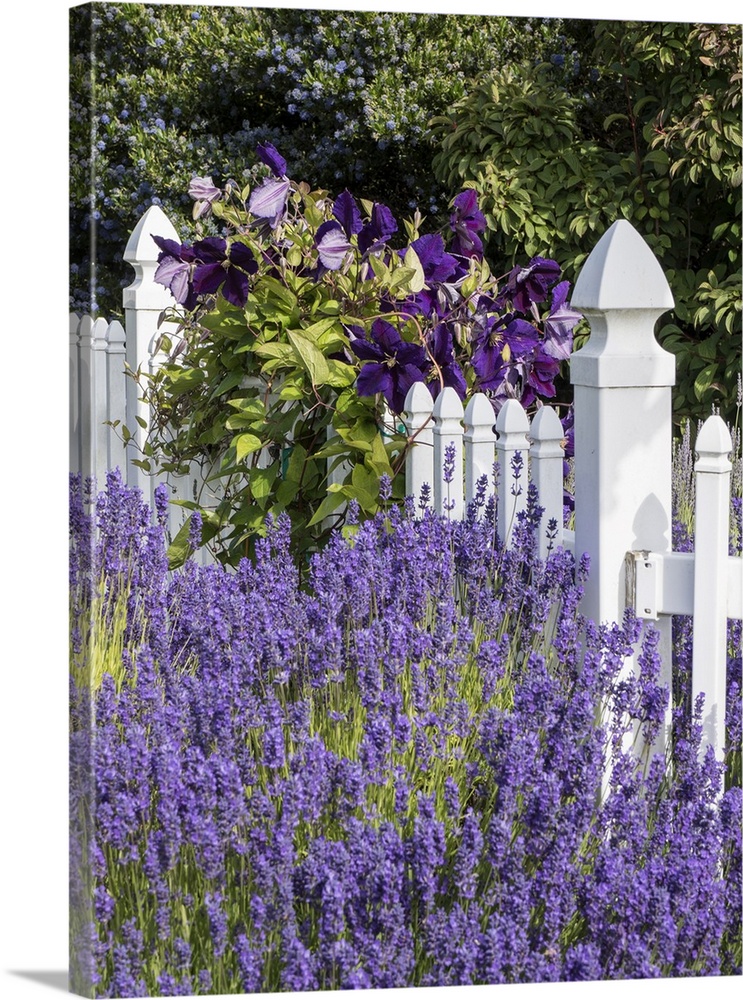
[479, 446]
[512, 451]
[622, 379]
[74, 387]
[116, 393]
[546, 455]
[418, 421]
[144, 300]
[711, 529]
[448, 474]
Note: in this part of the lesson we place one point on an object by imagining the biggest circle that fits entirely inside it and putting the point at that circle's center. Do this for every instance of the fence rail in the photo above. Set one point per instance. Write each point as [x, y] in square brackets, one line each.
[622, 382]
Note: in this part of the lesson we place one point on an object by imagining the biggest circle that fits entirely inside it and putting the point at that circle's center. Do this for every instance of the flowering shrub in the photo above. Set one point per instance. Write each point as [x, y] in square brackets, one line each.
[179, 90]
[300, 332]
[388, 777]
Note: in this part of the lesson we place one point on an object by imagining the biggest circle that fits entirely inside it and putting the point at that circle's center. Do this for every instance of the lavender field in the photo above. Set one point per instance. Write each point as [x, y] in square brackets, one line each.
[379, 768]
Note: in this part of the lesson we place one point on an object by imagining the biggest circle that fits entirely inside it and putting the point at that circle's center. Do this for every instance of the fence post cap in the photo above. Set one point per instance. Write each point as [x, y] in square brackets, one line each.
[448, 405]
[479, 411]
[141, 246]
[546, 425]
[512, 418]
[713, 445]
[116, 334]
[622, 272]
[418, 399]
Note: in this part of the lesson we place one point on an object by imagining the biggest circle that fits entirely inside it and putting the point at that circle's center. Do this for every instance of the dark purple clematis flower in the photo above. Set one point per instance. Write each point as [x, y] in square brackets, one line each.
[379, 228]
[219, 266]
[531, 284]
[559, 325]
[441, 346]
[504, 341]
[332, 245]
[269, 155]
[175, 269]
[541, 371]
[346, 211]
[393, 365]
[438, 265]
[466, 222]
[203, 192]
[269, 201]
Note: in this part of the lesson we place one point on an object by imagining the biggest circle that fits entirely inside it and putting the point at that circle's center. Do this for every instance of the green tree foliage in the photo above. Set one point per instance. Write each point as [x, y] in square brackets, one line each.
[643, 123]
[160, 94]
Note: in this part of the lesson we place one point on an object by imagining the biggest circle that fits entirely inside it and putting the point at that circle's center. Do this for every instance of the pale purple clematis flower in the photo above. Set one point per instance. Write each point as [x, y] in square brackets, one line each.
[269, 201]
[559, 325]
[332, 245]
[204, 192]
[174, 270]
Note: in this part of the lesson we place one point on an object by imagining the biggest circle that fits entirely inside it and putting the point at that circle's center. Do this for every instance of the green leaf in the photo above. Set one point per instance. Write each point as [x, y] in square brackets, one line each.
[331, 503]
[245, 444]
[311, 358]
[704, 380]
[418, 279]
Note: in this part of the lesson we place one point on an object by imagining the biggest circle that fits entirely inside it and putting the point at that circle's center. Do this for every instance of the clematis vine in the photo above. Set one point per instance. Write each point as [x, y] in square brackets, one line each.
[560, 323]
[504, 341]
[269, 200]
[441, 347]
[205, 193]
[530, 285]
[466, 222]
[391, 366]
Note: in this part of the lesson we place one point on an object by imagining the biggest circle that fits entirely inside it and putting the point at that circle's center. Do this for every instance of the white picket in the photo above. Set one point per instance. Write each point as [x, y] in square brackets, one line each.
[711, 526]
[512, 451]
[546, 455]
[447, 441]
[115, 393]
[419, 460]
[479, 446]
[74, 394]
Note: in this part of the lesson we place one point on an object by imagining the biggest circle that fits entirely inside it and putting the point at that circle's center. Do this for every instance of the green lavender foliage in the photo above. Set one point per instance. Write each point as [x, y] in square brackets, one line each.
[638, 121]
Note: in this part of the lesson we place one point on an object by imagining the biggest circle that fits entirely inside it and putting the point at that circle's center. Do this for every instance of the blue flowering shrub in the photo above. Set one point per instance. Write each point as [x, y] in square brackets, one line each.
[184, 90]
[300, 332]
[385, 776]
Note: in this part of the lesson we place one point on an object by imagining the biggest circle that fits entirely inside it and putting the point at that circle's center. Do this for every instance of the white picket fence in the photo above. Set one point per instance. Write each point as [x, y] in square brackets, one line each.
[623, 447]
[622, 384]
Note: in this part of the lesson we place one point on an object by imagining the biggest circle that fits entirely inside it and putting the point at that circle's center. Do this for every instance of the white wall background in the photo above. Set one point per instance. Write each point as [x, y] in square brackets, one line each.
[33, 397]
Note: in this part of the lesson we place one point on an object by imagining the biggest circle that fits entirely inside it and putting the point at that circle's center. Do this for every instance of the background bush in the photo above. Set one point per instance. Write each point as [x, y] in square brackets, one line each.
[179, 91]
[562, 126]
[638, 121]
